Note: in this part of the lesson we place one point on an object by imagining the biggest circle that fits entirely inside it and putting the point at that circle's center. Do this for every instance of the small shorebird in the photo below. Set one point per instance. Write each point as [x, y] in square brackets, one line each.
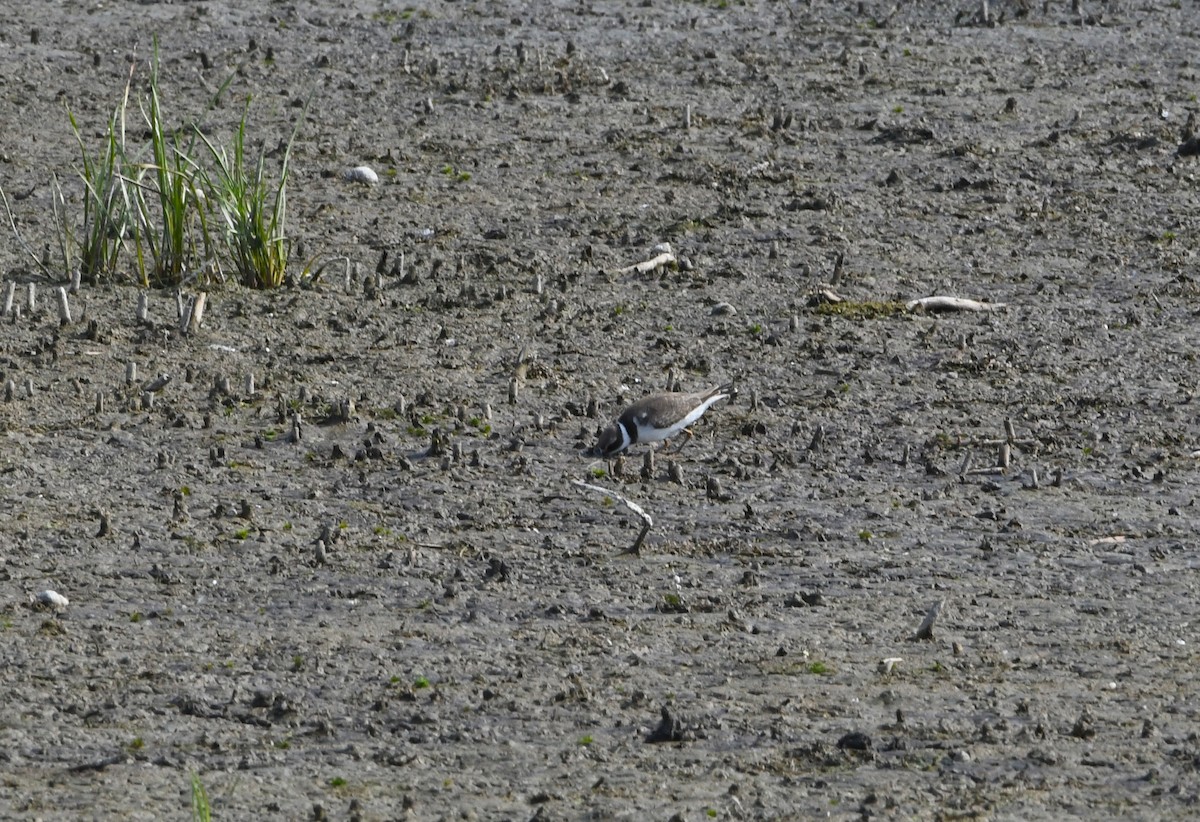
[657, 418]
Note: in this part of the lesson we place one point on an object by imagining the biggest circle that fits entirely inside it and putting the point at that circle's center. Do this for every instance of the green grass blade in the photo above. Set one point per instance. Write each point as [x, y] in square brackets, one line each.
[201, 810]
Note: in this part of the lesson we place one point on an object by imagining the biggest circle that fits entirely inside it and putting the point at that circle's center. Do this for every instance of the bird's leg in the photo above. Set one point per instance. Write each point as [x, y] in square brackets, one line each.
[687, 432]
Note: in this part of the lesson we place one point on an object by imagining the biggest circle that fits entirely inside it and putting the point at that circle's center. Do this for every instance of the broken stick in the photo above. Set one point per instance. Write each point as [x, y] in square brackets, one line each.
[647, 522]
[665, 258]
[951, 304]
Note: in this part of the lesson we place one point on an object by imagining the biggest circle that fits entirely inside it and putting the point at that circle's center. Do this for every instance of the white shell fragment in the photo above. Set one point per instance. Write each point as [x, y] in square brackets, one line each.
[52, 599]
[361, 174]
[940, 303]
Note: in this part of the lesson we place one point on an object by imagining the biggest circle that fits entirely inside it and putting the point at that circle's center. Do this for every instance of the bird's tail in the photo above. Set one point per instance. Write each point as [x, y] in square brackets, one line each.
[729, 389]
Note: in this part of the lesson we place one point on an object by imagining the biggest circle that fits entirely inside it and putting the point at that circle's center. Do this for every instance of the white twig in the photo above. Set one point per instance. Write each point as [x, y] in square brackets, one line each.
[951, 304]
[647, 521]
[666, 258]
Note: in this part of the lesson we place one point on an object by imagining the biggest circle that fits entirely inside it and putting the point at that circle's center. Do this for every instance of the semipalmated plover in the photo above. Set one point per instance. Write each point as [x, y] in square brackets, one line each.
[657, 418]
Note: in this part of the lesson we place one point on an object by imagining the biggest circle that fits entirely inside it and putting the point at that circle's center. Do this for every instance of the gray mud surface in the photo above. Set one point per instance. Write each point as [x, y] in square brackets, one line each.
[473, 643]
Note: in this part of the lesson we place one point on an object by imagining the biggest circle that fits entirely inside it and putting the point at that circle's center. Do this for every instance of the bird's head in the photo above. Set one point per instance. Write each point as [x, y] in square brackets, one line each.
[612, 441]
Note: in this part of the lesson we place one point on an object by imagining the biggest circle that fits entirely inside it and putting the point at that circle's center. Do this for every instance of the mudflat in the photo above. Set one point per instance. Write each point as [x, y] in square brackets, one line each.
[329, 554]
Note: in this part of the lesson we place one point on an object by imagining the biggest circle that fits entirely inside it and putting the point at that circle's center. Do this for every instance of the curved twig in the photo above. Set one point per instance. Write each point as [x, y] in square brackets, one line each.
[647, 521]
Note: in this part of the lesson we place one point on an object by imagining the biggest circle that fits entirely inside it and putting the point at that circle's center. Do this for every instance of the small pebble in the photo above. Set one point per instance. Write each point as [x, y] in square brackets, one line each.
[361, 174]
[52, 599]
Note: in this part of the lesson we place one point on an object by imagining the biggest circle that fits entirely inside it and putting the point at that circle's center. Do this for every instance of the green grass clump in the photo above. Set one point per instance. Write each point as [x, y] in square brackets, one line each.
[171, 216]
[153, 205]
[254, 210]
[96, 247]
[154, 202]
